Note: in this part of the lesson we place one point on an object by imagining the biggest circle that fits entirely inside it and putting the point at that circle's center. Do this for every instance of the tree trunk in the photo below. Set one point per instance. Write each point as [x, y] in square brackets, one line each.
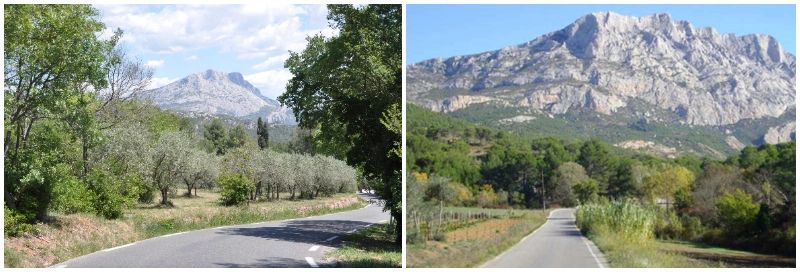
[164, 196]
[188, 190]
[85, 155]
[195, 190]
[398, 227]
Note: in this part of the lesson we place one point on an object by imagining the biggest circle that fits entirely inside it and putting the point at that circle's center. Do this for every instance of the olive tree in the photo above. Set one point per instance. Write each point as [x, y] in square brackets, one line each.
[170, 162]
[202, 168]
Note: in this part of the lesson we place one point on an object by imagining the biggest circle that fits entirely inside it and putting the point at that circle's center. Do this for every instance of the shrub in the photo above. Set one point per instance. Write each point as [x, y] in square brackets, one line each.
[737, 212]
[235, 189]
[108, 201]
[669, 226]
[72, 196]
[16, 223]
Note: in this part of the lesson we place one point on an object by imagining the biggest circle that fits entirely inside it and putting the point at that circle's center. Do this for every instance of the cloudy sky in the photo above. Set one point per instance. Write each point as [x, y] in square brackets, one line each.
[178, 40]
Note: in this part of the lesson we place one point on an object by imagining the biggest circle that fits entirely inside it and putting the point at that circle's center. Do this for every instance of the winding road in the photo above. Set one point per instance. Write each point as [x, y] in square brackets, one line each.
[557, 243]
[300, 242]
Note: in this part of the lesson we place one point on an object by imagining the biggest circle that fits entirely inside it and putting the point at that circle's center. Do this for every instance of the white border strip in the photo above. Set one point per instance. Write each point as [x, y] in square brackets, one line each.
[311, 262]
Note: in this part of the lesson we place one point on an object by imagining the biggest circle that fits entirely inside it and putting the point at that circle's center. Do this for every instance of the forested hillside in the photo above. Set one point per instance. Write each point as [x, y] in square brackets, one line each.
[746, 201]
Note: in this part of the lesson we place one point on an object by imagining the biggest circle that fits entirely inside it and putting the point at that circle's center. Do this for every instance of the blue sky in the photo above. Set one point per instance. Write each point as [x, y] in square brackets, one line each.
[448, 30]
[178, 40]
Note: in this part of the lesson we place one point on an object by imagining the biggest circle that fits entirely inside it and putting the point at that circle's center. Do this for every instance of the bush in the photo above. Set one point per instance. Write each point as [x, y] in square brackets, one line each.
[108, 201]
[16, 223]
[669, 226]
[72, 196]
[235, 189]
[737, 212]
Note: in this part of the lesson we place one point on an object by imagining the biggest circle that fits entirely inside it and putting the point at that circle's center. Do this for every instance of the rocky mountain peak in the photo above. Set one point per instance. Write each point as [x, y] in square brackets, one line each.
[213, 92]
[623, 68]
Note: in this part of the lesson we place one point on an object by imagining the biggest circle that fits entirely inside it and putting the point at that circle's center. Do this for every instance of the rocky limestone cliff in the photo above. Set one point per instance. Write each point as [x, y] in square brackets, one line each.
[604, 61]
[780, 134]
[218, 93]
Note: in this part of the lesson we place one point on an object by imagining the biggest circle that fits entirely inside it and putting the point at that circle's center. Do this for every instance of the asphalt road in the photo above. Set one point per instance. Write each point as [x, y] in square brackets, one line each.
[300, 242]
[557, 243]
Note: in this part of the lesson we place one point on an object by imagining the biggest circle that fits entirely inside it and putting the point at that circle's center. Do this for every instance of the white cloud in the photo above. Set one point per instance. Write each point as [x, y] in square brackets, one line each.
[248, 31]
[159, 81]
[154, 63]
[192, 57]
[272, 62]
[272, 83]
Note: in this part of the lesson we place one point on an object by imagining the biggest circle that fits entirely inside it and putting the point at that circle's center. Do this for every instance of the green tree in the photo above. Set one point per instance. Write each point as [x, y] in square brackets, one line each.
[237, 137]
[52, 58]
[217, 135]
[566, 177]
[586, 191]
[737, 212]
[262, 132]
[667, 183]
[349, 87]
[170, 162]
[596, 159]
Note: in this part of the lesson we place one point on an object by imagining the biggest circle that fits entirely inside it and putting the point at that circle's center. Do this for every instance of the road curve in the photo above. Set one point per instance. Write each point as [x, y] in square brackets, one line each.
[300, 242]
[557, 243]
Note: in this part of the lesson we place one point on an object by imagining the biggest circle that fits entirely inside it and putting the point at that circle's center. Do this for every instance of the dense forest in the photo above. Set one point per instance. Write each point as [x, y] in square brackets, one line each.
[746, 201]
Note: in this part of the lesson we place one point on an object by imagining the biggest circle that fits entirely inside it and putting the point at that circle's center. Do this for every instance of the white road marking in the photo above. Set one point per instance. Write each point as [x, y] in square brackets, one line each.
[383, 221]
[115, 248]
[60, 266]
[313, 248]
[331, 239]
[168, 235]
[311, 262]
[222, 227]
[586, 242]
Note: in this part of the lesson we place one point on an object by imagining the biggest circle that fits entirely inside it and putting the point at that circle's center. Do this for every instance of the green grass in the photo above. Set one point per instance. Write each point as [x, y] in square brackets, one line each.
[370, 247]
[70, 236]
[12, 258]
[473, 244]
[624, 232]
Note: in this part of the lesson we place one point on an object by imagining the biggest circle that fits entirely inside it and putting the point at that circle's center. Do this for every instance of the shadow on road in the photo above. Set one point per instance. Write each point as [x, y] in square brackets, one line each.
[303, 231]
[567, 228]
[268, 262]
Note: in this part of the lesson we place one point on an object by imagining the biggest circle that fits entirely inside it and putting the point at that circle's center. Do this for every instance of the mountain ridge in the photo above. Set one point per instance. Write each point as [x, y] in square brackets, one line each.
[212, 93]
[626, 68]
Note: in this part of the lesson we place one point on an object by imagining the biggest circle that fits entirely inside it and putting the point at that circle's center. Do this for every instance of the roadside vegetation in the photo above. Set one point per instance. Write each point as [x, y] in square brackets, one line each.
[745, 202]
[85, 155]
[466, 237]
[370, 247]
[347, 89]
[73, 235]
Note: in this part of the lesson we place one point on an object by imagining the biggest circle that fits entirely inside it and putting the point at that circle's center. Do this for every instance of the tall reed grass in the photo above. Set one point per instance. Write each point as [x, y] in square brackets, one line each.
[627, 219]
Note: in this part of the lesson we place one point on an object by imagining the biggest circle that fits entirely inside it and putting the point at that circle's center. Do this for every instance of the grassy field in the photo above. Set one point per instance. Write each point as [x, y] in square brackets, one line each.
[370, 247]
[70, 236]
[478, 241]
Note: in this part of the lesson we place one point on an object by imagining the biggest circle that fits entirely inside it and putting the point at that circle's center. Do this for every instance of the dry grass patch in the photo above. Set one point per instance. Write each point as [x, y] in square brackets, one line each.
[474, 244]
